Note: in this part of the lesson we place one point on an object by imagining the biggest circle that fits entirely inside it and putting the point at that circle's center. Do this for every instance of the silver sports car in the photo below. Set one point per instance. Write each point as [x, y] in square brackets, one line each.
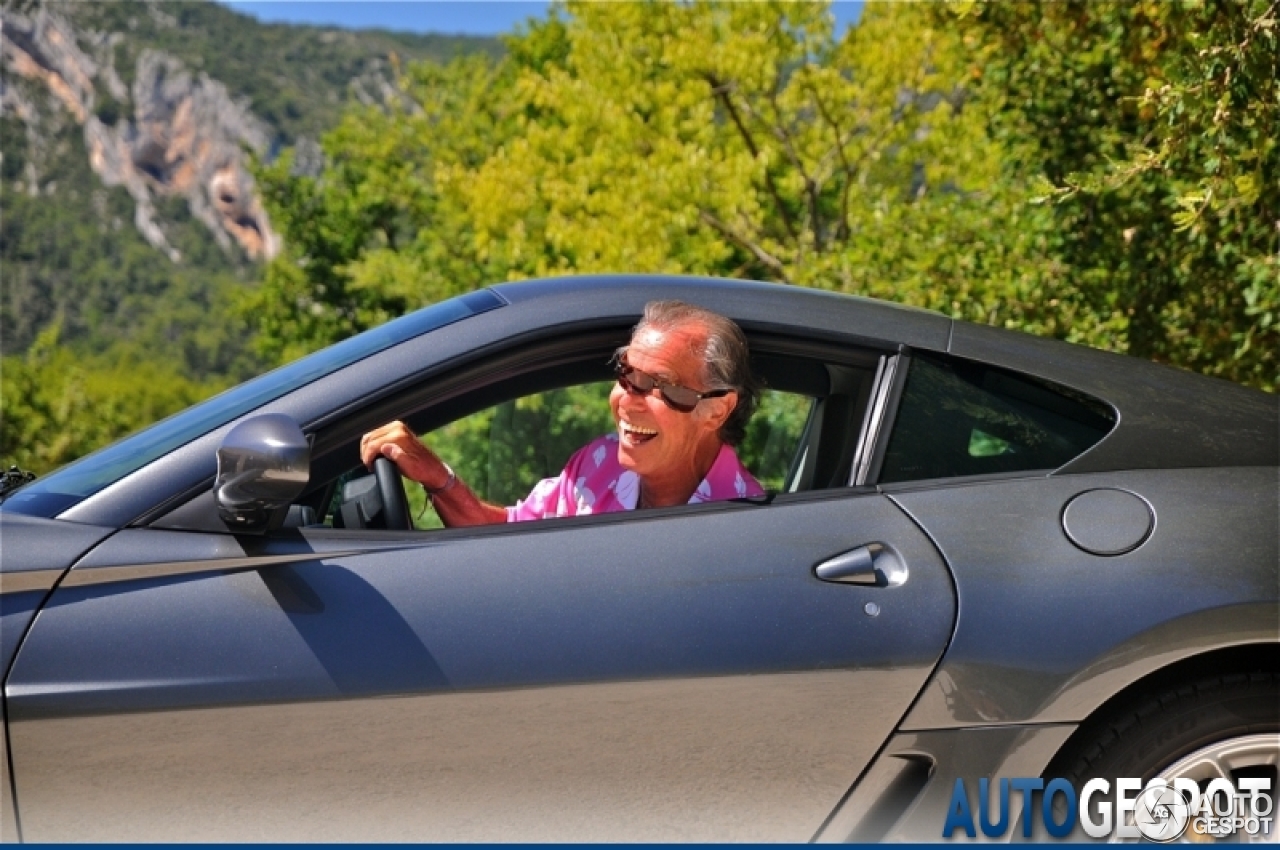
[985, 562]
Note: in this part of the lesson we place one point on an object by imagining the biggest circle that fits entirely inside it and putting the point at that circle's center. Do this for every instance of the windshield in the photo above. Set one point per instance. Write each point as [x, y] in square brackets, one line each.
[53, 494]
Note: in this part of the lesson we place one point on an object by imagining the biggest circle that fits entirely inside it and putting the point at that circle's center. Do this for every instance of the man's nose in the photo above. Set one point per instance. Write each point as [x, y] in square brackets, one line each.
[635, 399]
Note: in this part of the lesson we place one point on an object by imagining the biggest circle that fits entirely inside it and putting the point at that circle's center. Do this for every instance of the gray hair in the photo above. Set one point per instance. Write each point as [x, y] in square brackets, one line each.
[726, 359]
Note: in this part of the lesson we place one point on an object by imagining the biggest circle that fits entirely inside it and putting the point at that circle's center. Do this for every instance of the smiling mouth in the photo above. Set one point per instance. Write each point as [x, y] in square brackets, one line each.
[635, 434]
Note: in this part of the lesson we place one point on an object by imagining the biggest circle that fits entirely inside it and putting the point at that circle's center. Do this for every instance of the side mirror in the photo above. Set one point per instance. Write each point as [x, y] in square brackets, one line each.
[263, 465]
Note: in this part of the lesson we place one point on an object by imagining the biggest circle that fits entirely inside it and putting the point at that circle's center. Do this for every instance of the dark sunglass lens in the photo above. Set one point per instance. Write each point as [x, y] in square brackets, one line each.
[680, 398]
[642, 382]
[633, 381]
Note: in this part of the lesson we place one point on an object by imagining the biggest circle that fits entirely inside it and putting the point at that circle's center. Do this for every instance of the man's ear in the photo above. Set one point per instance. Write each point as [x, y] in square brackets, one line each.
[720, 409]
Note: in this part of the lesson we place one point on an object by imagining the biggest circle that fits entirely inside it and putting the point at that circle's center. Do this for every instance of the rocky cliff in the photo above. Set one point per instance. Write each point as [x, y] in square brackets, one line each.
[171, 134]
[129, 224]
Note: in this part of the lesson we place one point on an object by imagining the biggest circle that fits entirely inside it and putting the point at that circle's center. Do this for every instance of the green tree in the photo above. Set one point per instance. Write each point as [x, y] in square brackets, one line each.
[56, 405]
[373, 235]
[1154, 126]
[911, 159]
[737, 139]
[732, 138]
[743, 139]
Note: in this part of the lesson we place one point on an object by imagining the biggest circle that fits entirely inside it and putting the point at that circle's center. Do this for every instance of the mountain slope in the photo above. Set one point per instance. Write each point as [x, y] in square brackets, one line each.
[127, 214]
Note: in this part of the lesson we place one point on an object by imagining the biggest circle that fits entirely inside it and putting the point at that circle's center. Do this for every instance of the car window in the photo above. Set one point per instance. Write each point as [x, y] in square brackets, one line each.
[502, 451]
[773, 437]
[959, 418]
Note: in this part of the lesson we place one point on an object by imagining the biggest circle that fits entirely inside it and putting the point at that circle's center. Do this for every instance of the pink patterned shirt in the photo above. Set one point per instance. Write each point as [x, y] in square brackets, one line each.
[593, 482]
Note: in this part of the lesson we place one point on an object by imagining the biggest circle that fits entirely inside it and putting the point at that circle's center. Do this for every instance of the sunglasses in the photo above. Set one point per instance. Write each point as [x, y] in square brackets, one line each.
[675, 396]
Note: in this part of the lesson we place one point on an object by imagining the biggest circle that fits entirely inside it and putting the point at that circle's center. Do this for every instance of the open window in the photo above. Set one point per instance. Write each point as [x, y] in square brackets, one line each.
[505, 424]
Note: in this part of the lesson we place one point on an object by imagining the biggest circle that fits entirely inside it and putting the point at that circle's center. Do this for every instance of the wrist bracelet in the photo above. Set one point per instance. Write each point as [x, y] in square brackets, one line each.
[448, 484]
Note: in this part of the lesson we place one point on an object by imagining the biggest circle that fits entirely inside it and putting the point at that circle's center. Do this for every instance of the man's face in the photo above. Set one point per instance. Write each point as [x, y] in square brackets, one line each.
[654, 440]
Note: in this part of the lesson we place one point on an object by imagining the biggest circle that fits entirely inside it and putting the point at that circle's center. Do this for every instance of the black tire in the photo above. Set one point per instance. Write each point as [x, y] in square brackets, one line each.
[1145, 736]
[1149, 734]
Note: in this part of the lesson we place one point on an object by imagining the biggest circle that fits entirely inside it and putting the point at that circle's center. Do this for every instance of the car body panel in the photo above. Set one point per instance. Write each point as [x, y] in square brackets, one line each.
[471, 766]
[1022, 654]
[850, 319]
[1169, 418]
[656, 674]
[34, 555]
[905, 796]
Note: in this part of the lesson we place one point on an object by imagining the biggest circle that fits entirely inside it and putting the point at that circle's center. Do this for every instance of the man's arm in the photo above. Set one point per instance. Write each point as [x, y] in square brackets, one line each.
[456, 504]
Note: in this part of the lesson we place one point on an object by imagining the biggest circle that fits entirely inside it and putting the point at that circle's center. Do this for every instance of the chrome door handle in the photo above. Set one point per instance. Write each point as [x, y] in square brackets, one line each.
[872, 565]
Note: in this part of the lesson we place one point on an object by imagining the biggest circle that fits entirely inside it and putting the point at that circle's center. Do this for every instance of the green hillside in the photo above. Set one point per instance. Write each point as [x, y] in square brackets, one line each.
[70, 255]
[102, 332]
[69, 250]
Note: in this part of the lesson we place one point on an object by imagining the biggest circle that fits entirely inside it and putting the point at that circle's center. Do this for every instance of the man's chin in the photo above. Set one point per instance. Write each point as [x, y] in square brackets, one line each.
[627, 458]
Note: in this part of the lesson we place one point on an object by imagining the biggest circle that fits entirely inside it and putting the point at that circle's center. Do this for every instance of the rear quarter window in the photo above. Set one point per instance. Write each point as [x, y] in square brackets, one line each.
[958, 418]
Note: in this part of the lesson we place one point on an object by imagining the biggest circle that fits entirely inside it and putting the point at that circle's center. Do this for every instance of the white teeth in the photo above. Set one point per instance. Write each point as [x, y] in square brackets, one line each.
[636, 429]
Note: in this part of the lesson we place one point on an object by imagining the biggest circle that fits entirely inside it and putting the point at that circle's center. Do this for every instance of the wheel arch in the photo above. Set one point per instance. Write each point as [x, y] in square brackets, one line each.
[1241, 659]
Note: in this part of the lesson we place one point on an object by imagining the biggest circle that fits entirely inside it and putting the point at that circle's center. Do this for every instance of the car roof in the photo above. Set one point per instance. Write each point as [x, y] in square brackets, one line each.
[754, 305]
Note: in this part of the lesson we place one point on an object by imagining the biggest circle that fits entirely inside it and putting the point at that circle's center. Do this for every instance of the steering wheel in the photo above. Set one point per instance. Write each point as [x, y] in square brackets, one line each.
[395, 505]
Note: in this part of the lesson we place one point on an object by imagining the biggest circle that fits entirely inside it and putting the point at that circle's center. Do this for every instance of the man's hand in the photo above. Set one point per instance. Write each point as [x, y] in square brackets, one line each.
[401, 446]
[455, 506]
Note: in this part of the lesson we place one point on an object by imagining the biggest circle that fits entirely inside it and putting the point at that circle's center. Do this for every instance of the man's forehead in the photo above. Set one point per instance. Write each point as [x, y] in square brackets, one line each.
[678, 347]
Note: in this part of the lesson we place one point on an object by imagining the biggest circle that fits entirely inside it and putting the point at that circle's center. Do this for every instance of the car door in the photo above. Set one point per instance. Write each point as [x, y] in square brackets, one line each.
[677, 674]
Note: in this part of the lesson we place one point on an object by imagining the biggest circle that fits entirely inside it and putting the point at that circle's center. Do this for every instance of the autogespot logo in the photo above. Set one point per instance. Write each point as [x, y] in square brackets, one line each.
[1161, 811]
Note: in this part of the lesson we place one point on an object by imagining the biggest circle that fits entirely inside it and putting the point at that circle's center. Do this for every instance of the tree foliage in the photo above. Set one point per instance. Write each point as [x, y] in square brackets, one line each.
[1101, 172]
[59, 405]
[736, 139]
[1098, 172]
[1155, 125]
[374, 235]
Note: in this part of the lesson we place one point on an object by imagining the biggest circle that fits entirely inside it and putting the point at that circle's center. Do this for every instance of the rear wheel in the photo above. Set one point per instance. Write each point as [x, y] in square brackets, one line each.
[1217, 727]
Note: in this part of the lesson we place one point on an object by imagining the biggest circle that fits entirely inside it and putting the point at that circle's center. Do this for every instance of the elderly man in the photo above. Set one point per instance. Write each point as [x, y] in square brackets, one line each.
[683, 396]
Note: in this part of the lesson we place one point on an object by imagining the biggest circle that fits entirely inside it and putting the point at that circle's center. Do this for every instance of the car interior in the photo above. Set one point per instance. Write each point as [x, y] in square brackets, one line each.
[803, 437]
